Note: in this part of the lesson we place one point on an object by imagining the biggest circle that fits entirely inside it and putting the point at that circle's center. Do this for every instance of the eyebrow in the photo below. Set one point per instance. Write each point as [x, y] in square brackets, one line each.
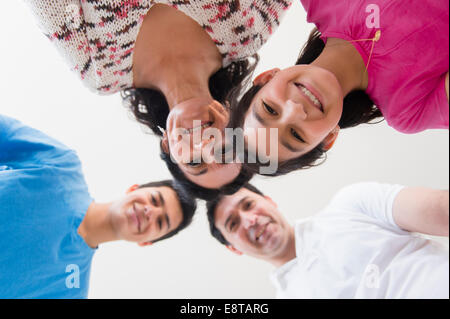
[167, 221]
[166, 216]
[161, 198]
[258, 117]
[231, 215]
[290, 147]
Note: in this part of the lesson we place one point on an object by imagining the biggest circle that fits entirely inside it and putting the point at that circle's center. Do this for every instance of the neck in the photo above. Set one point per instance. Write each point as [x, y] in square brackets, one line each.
[178, 60]
[344, 61]
[96, 227]
[288, 252]
[180, 79]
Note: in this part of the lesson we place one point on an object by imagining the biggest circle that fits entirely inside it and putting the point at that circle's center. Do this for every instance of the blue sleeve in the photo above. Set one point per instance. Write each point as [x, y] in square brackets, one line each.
[24, 147]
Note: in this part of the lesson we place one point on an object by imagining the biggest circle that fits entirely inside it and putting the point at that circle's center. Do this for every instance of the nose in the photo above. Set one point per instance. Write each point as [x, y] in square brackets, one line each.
[295, 111]
[152, 212]
[248, 220]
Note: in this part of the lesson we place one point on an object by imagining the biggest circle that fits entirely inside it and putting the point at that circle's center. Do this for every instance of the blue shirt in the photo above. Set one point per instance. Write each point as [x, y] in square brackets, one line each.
[43, 200]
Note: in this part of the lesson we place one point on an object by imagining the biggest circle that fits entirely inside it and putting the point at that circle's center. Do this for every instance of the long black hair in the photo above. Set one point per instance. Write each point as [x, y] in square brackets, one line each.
[150, 108]
[358, 108]
[245, 175]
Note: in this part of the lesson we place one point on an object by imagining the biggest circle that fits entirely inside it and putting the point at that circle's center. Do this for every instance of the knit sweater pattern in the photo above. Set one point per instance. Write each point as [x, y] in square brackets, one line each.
[97, 37]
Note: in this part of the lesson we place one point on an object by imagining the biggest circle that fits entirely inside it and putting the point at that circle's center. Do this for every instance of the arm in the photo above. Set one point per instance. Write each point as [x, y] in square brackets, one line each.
[422, 109]
[410, 209]
[422, 210]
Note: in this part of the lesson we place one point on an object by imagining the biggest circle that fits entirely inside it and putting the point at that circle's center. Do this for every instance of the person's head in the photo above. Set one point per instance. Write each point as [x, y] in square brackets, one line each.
[193, 186]
[152, 212]
[176, 127]
[306, 104]
[250, 223]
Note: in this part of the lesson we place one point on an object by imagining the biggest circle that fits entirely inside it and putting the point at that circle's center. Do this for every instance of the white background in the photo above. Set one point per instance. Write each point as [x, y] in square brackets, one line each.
[40, 90]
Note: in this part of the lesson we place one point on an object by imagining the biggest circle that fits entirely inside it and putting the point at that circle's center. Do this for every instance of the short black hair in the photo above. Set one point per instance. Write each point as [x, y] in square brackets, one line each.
[211, 210]
[187, 203]
[201, 192]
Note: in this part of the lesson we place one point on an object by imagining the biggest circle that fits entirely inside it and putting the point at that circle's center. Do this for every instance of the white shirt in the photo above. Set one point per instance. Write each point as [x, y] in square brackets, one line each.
[354, 249]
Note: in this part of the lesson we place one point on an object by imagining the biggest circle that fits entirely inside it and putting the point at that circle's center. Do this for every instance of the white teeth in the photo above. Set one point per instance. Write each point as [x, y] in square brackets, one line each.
[311, 96]
[261, 232]
[191, 130]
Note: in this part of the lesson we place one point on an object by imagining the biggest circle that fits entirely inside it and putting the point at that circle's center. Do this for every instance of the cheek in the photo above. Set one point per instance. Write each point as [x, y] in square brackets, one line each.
[338, 108]
[146, 237]
[181, 150]
[120, 224]
[242, 242]
[250, 128]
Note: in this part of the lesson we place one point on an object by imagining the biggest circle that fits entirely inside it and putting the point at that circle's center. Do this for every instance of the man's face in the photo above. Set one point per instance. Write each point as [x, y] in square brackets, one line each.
[252, 224]
[146, 214]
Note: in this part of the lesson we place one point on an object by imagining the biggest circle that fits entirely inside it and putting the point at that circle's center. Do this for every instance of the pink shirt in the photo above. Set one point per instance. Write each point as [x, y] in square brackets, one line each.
[409, 62]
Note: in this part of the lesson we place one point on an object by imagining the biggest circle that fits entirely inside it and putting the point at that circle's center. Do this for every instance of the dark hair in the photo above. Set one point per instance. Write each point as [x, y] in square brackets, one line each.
[358, 109]
[211, 210]
[201, 192]
[187, 203]
[151, 109]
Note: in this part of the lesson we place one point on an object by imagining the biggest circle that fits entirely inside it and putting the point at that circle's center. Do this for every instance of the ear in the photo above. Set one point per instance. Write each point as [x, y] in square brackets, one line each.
[234, 250]
[265, 77]
[165, 143]
[149, 243]
[271, 200]
[132, 188]
[331, 138]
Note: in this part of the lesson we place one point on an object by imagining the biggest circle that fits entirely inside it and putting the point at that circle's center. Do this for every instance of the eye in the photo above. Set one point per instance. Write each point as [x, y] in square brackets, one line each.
[232, 226]
[248, 205]
[269, 109]
[154, 201]
[160, 223]
[194, 163]
[297, 136]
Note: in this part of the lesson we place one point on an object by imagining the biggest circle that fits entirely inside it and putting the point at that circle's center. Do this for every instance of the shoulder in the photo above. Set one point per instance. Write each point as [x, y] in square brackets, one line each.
[354, 191]
[363, 195]
[28, 147]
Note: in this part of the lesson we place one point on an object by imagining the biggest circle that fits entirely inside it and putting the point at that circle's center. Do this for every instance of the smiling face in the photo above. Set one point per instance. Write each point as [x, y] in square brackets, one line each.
[303, 102]
[192, 147]
[146, 214]
[252, 224]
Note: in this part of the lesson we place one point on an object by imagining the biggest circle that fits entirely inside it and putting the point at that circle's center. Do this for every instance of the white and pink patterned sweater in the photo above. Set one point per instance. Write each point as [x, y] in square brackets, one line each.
[97, 37]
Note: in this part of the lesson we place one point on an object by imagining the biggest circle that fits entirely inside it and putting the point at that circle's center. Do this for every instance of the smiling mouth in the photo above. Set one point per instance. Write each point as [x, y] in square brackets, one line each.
[261, 232]
[137, 218]
[310, 95]
[199, 128]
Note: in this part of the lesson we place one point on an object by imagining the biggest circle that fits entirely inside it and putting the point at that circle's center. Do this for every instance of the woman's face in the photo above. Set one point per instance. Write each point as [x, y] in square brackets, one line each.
[195, 131]
[303, 102]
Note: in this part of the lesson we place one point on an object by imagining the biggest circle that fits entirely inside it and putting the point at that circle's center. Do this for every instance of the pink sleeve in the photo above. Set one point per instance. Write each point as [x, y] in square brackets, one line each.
[430, 112]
